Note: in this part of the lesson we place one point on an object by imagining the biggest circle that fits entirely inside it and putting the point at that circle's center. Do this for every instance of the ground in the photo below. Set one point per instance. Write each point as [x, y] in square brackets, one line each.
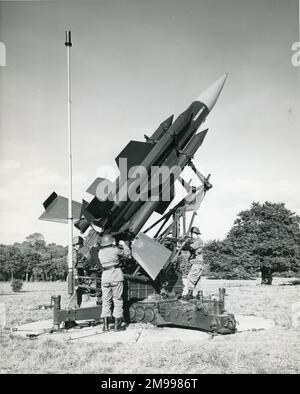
[276, 350]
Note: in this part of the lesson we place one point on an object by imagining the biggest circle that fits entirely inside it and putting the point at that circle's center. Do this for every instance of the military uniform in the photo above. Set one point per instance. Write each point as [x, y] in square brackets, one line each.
[112, 280]
[81, 267]
[195, 246]
[196, 260]
[184, 268]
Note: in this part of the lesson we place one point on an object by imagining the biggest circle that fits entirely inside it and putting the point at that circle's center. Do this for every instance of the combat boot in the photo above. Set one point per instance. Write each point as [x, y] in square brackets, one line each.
[105, 324]
[118, 324]
[188, 296]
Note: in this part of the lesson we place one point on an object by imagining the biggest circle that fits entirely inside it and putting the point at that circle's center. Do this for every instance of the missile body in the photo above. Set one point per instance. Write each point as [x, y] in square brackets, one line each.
[170, 161]
[177, 136]
[96, 207]
[174, 138]
[158, 133]
[162, 151]
[170, 145]
[149, 207]
[159, 150]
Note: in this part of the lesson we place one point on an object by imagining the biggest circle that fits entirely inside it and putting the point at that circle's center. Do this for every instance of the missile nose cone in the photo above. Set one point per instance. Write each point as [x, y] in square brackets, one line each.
[210, 96]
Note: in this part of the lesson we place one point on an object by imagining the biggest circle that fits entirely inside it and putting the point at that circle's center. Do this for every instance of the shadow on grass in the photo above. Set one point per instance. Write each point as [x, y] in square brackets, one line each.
[15, 293]
[24, 291]
[8, 294]
[38, 291]
[292, 283]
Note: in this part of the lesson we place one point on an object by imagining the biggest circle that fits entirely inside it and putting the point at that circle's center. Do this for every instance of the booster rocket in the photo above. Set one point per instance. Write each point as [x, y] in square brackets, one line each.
[170, 144]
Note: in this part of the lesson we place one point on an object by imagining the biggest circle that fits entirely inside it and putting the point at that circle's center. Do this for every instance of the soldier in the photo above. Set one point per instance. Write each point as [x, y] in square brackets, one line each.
[196, 260]
[112, 280]
[81, 265]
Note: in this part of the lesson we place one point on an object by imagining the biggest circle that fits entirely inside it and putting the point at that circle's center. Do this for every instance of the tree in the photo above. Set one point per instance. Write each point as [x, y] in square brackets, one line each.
[15, 262]
[223, 262]
[33, 259]
[5, 269]
[58, 255]
[265, 237]
[39, 258]
[36, 240]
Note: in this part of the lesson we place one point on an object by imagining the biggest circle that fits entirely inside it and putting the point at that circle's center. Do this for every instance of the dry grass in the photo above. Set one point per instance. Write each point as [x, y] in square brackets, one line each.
[272, 351]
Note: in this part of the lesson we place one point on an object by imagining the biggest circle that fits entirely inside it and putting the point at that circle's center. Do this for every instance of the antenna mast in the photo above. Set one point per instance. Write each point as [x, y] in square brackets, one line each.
[68, 45]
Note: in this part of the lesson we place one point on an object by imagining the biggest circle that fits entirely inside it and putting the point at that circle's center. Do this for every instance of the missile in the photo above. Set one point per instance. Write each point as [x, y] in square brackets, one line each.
[84, 214]
[184, 127]
[157, 152]
[138, 221]
[210, 96]
[160, 131]
[133, 152]
[170, 145]
[170, 161]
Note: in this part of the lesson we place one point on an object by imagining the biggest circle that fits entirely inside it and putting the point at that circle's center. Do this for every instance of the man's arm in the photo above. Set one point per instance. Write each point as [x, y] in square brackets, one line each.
[197, 245]
[187, 243]
[125, 251]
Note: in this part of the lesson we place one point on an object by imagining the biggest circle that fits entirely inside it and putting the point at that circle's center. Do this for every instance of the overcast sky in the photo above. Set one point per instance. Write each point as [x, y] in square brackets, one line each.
[134, 63]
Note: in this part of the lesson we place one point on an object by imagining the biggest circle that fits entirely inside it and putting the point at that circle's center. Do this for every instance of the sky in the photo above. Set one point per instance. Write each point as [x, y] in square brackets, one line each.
[134, 63]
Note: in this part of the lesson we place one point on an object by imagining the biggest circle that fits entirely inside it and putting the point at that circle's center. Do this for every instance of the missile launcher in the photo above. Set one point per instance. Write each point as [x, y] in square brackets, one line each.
[153, 279]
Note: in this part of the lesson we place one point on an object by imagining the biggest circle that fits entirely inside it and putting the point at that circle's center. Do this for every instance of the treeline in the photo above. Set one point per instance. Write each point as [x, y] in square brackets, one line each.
[33, 260]
[264, 238]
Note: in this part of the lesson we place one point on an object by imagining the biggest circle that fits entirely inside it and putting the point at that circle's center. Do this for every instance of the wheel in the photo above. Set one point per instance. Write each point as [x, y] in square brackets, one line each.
[132, 313]
[149, 315]
[139, 313]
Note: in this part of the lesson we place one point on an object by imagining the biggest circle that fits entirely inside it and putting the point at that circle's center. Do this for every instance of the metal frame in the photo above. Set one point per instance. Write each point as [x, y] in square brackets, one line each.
[141, 303]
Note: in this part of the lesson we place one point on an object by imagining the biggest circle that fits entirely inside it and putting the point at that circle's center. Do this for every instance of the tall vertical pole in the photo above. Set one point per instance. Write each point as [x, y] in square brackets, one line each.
[68, 45]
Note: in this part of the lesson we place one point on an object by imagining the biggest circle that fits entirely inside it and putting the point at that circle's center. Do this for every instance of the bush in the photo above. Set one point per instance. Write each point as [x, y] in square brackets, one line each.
[285, 274]
[16, 285]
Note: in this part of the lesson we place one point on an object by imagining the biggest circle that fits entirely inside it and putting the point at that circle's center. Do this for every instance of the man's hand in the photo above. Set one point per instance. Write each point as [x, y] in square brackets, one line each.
[184, 238]
[187, 243]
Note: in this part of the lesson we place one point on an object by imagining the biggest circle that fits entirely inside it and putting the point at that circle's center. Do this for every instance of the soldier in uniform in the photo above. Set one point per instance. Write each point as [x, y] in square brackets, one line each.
[112, 280]
[195, 247]
[81, 266]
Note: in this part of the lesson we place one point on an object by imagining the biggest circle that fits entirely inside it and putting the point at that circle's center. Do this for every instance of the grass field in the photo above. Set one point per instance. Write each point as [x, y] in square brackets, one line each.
[272, 351]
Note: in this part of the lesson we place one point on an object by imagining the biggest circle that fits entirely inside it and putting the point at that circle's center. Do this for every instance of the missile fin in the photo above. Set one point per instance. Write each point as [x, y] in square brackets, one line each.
[201, 135]
[85, 218]
[56, 209]
[162, 128]
[93, 187]
[134, 152]
[82, 225]
[49, 200]
[98, 208]
[84, 213]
